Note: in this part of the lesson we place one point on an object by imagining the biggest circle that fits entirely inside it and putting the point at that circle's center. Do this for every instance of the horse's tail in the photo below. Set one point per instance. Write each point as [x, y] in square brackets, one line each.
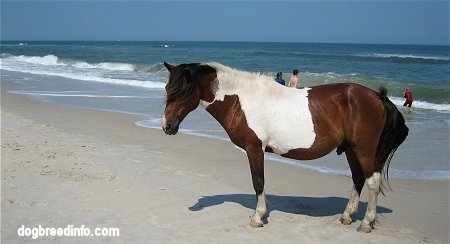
[394, 133]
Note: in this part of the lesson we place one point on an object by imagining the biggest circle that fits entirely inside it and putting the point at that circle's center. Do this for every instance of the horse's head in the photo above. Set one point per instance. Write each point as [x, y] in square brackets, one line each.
[185, 89]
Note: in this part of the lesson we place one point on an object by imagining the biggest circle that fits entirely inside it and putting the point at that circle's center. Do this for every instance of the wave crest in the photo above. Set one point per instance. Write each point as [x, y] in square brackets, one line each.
[45, 60]
[406, 57]
[104, 72]
[105, 65]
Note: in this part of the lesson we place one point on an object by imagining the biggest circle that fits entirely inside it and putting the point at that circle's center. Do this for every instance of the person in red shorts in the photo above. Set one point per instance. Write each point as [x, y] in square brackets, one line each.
[409, 99]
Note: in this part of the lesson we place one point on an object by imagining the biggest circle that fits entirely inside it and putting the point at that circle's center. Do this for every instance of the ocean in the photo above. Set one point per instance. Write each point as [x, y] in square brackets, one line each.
[129, 77]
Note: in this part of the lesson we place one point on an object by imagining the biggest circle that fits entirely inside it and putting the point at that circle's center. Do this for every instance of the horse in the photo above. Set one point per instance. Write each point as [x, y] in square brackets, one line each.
[260, 115]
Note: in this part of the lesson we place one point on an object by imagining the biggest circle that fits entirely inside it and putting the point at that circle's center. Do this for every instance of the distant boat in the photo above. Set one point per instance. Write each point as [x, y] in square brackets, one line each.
[23, 44]
[165, 45]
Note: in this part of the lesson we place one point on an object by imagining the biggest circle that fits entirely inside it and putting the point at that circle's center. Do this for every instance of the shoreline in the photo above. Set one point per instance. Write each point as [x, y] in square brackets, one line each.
[100, 169]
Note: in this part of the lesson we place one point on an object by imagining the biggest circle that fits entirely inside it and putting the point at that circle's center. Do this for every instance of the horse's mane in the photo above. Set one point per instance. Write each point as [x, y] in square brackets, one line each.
[238, 79]
[181, 86]
[235, 74]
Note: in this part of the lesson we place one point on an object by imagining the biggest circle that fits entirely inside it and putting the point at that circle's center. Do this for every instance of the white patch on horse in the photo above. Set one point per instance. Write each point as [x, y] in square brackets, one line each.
[373, 184]
[260, 210]
[163, 122]
[280, 117]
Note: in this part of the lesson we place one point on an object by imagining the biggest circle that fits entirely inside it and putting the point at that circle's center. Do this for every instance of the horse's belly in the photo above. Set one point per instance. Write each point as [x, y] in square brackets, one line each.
[283, 144]
[290, 130]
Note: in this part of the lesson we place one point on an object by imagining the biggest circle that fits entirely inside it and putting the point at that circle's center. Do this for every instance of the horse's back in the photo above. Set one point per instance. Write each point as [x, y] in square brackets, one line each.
[342, 97]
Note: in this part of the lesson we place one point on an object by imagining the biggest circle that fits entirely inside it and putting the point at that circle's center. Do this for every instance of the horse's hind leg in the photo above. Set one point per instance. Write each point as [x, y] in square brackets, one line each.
[373, 183]
[358, 183]
[366, 159]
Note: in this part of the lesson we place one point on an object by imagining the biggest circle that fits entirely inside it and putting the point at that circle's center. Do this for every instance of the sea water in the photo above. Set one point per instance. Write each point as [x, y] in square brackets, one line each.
[129, 77]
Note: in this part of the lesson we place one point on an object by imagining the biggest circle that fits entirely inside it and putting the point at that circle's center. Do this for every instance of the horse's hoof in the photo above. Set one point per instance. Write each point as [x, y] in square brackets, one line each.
[346, 221]
[253, 224]
[364, 229]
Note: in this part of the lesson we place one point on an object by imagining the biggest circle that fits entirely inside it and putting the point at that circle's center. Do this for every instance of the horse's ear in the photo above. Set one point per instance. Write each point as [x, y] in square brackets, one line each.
[169, 66]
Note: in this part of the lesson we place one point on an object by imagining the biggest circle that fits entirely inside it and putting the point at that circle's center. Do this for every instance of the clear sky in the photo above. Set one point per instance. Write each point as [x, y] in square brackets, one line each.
[368, 21]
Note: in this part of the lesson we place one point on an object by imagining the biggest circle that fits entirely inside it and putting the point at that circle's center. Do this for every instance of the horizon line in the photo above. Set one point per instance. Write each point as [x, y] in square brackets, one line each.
[305, 42]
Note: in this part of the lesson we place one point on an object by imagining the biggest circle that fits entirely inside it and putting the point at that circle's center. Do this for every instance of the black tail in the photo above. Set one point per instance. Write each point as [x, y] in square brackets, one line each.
[394, 133]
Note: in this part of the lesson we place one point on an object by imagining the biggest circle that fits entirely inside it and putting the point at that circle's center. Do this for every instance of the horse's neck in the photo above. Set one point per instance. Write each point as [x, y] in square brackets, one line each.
[221, 110]
[224, 94]
[234, 89]
[222, 86]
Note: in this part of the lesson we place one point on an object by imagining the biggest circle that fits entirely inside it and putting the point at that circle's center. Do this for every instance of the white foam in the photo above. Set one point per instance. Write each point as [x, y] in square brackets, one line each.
[45, 60]
[101, 72]
[83, 65]
[48, 94]
[406, 56]
[422, 104]
[113, 66]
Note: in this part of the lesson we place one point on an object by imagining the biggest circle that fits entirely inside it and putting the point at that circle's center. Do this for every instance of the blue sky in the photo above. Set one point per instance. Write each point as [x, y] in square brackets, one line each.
[369, 21]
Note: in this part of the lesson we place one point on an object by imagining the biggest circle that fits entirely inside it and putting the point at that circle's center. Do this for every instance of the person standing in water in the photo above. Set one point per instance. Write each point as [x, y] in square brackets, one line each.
[409, 99]
[294, 79]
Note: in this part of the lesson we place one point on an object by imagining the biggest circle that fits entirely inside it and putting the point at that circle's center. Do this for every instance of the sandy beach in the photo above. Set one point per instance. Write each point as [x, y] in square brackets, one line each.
[65, 166]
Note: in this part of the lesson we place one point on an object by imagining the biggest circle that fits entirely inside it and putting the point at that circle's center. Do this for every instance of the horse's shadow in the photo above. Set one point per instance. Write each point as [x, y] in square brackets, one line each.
[310, 206]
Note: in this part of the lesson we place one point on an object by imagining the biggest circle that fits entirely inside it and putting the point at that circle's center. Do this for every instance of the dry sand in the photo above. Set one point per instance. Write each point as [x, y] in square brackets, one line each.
[63, 166]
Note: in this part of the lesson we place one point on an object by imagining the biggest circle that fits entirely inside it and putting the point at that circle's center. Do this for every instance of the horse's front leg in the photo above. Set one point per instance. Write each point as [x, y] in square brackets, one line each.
[256, 160]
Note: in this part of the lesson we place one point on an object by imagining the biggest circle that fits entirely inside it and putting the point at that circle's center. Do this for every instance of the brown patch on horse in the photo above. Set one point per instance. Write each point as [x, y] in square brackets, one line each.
[230, 115]
[209, 87]
[326, 107]
[336, 110]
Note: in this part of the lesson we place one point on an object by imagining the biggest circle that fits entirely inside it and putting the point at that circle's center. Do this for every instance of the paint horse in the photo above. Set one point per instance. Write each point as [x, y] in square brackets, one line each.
[260, 116]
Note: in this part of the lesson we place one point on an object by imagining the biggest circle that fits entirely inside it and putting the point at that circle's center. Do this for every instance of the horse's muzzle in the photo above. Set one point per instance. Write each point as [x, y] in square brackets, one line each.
[170, 128]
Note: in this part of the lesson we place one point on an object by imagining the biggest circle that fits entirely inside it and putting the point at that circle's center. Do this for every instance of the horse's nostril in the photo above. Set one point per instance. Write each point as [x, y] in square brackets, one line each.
[168, 126]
